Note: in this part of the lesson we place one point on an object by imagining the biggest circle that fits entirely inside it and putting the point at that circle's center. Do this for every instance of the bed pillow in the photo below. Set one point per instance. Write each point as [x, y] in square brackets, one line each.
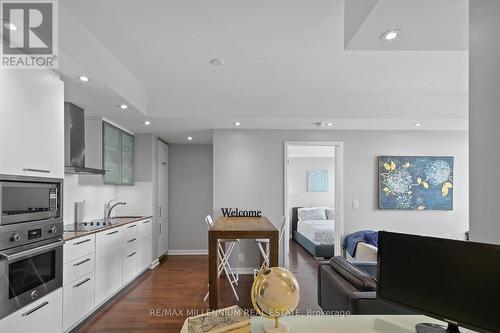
[330, 213]
[311, 213]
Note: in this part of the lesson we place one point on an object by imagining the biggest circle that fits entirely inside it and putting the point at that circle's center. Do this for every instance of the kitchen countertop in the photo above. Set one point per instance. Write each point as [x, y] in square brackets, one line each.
[116, 222]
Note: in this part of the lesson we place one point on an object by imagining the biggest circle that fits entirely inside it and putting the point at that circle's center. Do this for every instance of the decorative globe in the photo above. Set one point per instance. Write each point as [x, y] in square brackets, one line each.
[275, 292]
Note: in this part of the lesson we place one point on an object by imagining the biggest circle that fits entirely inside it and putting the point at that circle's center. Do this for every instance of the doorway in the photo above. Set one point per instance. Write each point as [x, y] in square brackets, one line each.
[313, 177]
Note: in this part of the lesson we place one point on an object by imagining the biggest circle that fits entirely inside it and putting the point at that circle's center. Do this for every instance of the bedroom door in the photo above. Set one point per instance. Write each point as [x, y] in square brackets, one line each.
[313, 176]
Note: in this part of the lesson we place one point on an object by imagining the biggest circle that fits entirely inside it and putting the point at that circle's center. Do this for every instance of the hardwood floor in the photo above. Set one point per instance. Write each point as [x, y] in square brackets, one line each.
[162, 298]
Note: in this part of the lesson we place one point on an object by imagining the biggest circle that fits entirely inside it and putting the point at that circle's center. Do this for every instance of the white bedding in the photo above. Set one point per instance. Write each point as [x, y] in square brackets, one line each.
[320, 232]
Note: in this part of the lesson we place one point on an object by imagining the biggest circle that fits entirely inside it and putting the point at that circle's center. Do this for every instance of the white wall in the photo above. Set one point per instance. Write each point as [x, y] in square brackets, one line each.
[248, 173]
[190, 197]
[484, 118]
[297, 181]
[137, 197]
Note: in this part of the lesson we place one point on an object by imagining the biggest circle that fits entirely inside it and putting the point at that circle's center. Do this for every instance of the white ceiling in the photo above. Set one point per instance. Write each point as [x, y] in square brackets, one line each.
[285, 67]
[423, 24]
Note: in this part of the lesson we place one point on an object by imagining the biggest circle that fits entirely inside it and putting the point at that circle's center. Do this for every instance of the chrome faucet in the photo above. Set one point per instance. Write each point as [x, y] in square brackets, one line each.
[108, 208]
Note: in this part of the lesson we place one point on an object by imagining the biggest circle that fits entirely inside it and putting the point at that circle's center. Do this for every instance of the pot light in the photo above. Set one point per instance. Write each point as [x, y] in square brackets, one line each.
[390, 35]
[147, 123]
[10, 26]
[237, 123]
[216, 62]
[124, 106]
[417, 124]
[190, 138]
[84, 78]
[329, 124]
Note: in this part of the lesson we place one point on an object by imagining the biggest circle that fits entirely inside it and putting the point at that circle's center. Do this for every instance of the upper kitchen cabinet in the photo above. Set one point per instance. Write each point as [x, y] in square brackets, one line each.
[118, 156]
[32, 126]
[110, 148]
[127, 159]
[112, 156]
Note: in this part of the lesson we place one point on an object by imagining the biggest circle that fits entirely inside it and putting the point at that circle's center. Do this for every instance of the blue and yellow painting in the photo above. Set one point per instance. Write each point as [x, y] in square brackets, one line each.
[416, 182]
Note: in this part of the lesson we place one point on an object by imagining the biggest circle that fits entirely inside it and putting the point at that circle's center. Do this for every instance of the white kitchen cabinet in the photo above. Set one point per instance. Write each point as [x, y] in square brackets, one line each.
[130, 265]
[78, 300]
[108, 263]
[78, 247]
[144, 244]
[32, 123]
[41, 316]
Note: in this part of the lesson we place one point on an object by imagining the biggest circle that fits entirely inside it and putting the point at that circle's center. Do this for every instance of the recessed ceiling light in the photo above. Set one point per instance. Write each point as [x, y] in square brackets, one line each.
[390, 35]
[147, 123]
[10, 26]
[190, 138]
[124, 106]
[417, 124]
[216, 62]
[237, 123]
[329, 124]
[84, 78]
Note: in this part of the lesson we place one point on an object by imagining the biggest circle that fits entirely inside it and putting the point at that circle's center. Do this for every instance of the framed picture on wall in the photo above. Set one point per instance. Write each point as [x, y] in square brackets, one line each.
[415, 182]
[317, 181]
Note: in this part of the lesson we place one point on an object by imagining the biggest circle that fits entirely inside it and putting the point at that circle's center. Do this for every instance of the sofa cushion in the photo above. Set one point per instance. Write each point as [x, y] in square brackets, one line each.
[359, 279]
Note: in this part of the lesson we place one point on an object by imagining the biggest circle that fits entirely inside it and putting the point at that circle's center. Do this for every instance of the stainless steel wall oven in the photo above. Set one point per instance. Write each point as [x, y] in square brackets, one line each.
[31, 245]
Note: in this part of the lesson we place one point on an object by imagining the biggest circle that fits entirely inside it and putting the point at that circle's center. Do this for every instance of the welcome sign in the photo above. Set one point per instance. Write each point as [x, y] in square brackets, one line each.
[230, 212]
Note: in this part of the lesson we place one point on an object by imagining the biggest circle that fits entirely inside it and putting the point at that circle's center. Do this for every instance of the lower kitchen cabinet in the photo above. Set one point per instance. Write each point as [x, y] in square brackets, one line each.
[145, 250]
[130, 265]
[78, 300]
[108, 263]
[41, 316]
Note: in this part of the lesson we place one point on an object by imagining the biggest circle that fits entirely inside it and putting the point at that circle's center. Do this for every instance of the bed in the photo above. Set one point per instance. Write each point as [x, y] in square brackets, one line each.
[316, 236]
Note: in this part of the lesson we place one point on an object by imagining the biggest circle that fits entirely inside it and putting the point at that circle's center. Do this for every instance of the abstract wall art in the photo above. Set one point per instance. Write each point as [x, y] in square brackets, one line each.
[415, 182]
[317, 181]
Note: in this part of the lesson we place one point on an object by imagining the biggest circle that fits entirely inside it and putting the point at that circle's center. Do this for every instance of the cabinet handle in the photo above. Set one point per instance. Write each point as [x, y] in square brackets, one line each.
[27, 313]
[159, 228]
[36, 170]
[131, 226]
[132, 240]
[146, 222]
[83, 282]
[160, 211]
[112, 232]
[132, 254]
[81, 262]
[83, 241]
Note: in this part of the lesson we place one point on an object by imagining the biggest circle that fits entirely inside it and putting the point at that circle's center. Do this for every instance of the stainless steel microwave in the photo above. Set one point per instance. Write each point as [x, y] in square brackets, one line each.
[25, 199]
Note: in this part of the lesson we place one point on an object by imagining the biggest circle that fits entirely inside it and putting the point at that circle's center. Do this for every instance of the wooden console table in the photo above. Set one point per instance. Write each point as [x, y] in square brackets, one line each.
[237, 228]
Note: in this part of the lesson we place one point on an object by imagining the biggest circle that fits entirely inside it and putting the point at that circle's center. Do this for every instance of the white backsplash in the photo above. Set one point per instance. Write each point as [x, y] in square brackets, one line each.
[139, 199]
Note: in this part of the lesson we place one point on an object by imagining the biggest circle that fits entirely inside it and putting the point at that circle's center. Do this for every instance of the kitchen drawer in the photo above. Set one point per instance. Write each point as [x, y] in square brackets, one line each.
[130, 244]
[77, 268]
[78, 247]
[41, 316]
[78, 300]
[130, 266]
[130, 230]
[131, 234]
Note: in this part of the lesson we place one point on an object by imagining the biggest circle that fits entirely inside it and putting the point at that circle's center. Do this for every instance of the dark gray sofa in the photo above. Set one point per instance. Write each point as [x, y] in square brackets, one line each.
[345, 287]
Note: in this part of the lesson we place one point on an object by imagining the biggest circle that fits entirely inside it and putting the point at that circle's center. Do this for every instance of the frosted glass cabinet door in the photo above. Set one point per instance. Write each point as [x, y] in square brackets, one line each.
[127, 159]
[112, 154]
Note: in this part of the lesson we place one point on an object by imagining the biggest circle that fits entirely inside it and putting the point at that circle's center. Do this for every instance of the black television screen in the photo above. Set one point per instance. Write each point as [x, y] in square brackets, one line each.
[450, 280]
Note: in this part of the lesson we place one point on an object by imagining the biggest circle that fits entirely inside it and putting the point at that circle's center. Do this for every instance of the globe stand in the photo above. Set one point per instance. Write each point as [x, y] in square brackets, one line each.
[277, 327]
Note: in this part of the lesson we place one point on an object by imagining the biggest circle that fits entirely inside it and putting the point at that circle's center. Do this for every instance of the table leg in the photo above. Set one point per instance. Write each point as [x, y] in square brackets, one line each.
[274, 250]
[212, 270]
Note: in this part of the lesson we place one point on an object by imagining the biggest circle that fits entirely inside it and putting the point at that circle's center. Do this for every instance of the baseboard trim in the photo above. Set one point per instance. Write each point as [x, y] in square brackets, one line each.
[154, 264]
[187, 252]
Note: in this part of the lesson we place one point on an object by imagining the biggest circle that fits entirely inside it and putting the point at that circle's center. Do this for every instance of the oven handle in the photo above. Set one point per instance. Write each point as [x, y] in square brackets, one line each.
[30, 252]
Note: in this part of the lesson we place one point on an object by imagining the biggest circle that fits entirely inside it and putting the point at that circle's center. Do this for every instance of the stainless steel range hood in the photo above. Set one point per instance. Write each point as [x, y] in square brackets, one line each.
[74, 141]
